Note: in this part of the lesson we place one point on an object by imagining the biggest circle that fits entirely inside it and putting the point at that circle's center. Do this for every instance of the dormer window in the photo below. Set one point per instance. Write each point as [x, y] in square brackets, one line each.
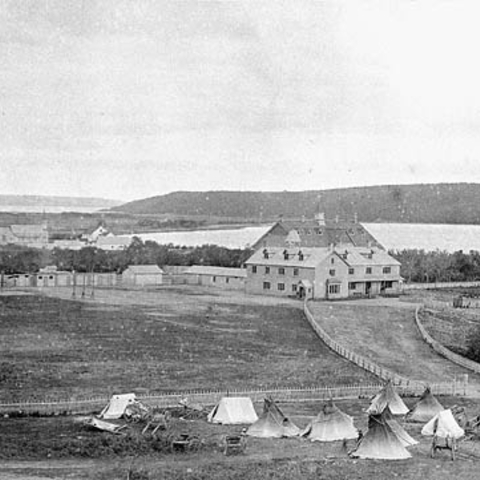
[320, 231]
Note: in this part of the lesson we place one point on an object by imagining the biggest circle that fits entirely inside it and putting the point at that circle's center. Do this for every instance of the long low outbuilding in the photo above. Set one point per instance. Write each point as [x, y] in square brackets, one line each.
[218, 277]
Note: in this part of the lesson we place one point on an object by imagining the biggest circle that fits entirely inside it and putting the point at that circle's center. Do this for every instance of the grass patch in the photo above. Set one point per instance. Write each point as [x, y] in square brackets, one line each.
[67, 348]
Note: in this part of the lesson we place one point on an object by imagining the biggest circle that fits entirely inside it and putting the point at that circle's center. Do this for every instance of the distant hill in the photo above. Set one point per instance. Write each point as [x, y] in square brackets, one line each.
[39, 202]
[425, 203]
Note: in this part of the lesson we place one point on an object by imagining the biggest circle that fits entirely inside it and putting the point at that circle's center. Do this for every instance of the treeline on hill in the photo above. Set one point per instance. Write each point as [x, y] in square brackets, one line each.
[427, 203]
[16, 259]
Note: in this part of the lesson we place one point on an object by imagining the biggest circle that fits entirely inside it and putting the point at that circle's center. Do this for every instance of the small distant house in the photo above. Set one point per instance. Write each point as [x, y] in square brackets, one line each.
[27, 235]
[142, 275]
[218, 277]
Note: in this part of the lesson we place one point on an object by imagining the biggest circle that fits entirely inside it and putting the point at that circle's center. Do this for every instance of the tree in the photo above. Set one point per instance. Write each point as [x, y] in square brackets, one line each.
[473, 345]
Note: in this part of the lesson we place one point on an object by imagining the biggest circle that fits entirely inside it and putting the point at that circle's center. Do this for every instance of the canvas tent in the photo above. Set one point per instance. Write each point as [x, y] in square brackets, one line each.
[273, 423]
[380, 441]
[117, 406]
[233, 410]
[329, 425]
[400, 432]
[426, 408]
[443, 425]
[388, 397]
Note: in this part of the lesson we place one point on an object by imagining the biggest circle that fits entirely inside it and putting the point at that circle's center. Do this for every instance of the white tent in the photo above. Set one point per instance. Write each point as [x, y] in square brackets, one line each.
[443, 425]
[233, 410]
[329, 425]
[426, 408]
[117, 405]
[388, 397]
[272, 423]
[380, 441]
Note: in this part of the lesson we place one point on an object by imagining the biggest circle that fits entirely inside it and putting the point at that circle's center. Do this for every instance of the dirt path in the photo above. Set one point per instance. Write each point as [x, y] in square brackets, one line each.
[385, 332]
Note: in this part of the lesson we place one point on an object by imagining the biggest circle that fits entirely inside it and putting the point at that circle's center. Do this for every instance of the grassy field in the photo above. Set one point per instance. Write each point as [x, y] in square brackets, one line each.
[65, 348]
[174, 339]
[387, 335]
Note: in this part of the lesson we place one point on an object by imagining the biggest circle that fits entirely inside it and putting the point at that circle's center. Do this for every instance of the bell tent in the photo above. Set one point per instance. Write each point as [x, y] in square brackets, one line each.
[233, 410]
[443, 425]
[273, 423]
[330, 424]
[388, 397]
[117, 405]
[426, 408]
[380, 441]
[400, 432]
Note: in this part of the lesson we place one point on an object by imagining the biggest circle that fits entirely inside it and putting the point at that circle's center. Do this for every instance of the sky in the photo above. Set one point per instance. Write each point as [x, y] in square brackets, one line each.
[128, 99]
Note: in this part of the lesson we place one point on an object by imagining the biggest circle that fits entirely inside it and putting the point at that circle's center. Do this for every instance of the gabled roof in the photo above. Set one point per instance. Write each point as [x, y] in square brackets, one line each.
[313, 233]
[366, 257]
[218, 271]
[145, 269]
[294, 257]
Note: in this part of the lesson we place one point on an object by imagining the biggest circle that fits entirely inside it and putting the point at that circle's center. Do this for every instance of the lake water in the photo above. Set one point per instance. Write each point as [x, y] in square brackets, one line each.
[450, 238]
[394, 236]
[229, 238]
[50, 208]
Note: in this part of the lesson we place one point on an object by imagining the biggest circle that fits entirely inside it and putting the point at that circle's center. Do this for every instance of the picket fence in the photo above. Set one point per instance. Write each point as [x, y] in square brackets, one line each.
[404, 386]
[208, 398]
[353, 357]
[438, 285]
[441, 350]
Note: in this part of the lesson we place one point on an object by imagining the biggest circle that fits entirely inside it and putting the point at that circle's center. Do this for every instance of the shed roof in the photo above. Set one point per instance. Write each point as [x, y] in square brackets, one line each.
[217, 271]
[145, 269]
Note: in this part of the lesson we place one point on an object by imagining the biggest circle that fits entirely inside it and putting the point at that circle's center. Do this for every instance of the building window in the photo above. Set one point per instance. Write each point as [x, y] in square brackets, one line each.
[281, 286]
[214, 279]
[333, 289]
[387, 270]
[295, 272]
[266, 285]
[368, 270]
[294, 287]
[281, 271]
[227, 280]
[320, 232]
[265, 253]
[300, 255]
[332, 272]
[267, 270]
[351, 271]
[332, 260]
[254, 269]
[352, 286]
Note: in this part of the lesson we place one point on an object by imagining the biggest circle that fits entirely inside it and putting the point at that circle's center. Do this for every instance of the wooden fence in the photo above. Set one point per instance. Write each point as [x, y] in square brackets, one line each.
[358, 360]
[438, 285]
[441, 350]
[208, 398]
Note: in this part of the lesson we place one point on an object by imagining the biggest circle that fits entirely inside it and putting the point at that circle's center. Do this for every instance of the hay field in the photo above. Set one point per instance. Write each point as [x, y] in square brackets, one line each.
[72, 348]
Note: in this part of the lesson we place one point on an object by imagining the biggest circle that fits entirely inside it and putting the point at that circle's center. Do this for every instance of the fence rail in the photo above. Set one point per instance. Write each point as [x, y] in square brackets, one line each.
[442, 350]
[358, 360]
[437, 285]
[211, 397]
